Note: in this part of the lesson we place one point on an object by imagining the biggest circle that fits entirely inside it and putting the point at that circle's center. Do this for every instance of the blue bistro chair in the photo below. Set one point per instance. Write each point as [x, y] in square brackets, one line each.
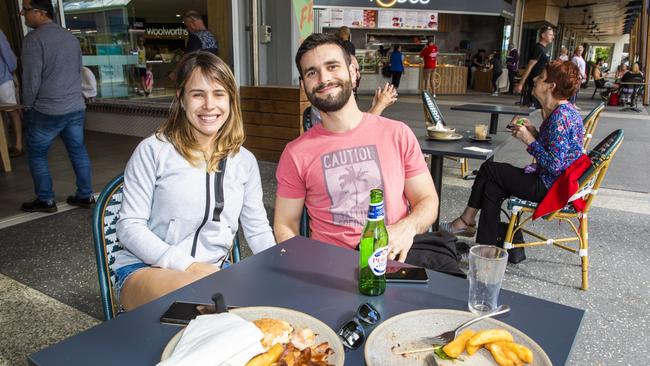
[105, 216]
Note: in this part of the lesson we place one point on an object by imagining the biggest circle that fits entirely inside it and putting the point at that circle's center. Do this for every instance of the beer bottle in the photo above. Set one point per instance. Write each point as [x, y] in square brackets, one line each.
[373, 248]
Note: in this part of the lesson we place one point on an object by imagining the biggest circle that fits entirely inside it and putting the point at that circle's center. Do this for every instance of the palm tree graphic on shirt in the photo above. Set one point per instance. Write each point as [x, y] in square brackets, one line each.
[352, 177]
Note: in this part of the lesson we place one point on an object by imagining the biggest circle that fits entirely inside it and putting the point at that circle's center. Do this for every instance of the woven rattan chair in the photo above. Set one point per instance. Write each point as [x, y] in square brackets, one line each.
[105, 216]
[590, 122]
[521, 211]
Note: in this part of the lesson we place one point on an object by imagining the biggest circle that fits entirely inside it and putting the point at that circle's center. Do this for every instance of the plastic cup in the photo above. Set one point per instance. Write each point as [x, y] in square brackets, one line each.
[487, 265]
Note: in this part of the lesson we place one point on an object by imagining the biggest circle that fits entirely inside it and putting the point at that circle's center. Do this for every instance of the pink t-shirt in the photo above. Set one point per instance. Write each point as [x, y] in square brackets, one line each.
[335, 172]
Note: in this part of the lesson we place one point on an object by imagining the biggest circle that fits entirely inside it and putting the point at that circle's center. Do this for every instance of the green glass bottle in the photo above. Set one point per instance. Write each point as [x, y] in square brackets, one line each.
[373, 248]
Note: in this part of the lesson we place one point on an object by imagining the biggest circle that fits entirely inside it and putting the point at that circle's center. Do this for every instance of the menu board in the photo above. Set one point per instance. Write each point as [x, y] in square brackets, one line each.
[353, 18]
[408, 19]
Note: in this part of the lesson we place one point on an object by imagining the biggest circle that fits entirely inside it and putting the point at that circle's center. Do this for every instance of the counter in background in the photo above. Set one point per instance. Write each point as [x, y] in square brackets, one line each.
[453, 80]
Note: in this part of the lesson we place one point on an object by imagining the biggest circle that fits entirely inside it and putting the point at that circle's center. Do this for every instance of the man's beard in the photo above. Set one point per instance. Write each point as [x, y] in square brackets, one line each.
[331, 103]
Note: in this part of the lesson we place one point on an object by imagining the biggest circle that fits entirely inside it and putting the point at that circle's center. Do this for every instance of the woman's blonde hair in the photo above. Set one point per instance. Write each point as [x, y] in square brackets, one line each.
[180, 132]
[635, 68]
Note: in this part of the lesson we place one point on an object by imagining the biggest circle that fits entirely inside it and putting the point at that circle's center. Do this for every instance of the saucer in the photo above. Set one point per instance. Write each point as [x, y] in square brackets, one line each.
[487, 139]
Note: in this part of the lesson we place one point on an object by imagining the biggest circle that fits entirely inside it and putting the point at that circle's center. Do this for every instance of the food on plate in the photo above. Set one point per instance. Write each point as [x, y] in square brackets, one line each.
[267, 358]
[275, 331]
[454, 348]
[499, 355]
[287, 346]
[498, 341]
[303, 338]
[523, 352]
[490, 336]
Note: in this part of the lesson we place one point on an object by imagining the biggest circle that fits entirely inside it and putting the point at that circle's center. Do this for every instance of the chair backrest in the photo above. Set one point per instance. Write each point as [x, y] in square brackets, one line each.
[432, 112]
[590, 123]
[600, 156]
[105, 217]
[306, 119]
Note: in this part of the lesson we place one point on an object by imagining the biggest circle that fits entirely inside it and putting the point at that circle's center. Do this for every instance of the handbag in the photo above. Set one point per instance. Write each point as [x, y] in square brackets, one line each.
[515, 255]
[613, 100]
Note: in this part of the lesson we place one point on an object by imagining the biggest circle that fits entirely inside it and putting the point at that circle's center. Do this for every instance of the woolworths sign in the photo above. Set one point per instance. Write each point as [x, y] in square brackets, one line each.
[165, 31]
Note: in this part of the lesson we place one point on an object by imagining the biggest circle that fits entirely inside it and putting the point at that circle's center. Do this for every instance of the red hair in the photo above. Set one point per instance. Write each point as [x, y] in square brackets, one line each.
[565, 75]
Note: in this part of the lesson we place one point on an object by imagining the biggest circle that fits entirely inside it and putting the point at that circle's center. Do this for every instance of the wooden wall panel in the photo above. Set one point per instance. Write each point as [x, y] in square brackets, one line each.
[272, 117]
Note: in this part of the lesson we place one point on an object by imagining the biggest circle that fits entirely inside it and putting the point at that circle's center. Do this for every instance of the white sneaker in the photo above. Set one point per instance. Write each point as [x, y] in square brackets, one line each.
[495, 94]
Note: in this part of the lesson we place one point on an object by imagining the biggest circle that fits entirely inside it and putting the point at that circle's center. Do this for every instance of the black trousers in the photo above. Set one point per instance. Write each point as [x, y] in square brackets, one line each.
[494, 183]
[529, 99]
[396, 76]
[511, 80]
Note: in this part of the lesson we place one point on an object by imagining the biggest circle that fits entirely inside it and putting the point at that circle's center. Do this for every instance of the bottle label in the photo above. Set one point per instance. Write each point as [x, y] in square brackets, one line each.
[376, 211]
[378, 261]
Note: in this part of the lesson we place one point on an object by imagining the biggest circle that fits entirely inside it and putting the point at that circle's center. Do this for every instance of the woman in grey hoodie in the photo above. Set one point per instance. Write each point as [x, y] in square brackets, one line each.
[187, 187]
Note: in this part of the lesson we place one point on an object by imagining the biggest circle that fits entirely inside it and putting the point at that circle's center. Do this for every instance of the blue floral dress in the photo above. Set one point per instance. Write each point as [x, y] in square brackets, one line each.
[559, 143]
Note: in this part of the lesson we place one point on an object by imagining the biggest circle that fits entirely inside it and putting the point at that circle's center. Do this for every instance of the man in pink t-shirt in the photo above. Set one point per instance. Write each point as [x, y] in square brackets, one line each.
[333, 166]
[430, 56]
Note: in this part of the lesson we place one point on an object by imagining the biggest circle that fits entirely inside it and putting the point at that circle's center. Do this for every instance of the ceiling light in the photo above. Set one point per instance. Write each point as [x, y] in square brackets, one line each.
[178, 15]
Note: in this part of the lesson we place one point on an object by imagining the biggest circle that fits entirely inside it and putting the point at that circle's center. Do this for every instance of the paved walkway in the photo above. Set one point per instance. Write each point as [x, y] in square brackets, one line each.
[48, 275]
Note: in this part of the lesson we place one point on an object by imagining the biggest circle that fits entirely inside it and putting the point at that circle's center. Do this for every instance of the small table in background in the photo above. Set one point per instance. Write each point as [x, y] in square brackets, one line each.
[439, 149]
[494, 111]
[4, 147]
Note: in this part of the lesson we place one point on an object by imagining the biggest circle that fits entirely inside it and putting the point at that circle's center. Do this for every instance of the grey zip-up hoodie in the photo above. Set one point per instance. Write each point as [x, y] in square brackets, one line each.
[174, 214]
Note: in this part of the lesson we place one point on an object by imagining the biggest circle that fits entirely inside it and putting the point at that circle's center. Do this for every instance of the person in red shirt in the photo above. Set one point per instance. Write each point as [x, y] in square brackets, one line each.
[430, 55]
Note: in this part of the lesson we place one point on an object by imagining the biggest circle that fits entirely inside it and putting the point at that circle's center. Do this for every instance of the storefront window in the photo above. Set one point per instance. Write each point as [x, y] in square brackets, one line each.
[102, 29]
[108, 32]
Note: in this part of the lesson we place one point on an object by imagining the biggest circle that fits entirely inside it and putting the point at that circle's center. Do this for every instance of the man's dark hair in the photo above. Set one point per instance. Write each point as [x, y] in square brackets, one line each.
[599, 60]
[320, 39]
[45, 6]
[545, 29]
[481, 50]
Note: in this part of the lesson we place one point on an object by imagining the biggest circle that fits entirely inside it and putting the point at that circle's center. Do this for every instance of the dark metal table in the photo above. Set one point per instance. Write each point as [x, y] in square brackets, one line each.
[439, 149]
[315, 278]
[494, 111]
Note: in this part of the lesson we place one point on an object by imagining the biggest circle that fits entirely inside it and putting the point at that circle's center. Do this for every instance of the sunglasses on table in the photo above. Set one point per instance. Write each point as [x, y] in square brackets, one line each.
[352, 333]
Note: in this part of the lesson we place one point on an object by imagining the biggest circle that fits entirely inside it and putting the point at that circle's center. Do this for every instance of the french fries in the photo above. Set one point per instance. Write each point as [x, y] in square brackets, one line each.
[454, 348]
[499, 342]
[267, 358]
[490, 336]
[499, 356]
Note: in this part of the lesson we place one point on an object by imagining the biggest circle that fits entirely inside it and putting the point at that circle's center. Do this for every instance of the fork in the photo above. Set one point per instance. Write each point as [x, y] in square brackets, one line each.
[446, 337]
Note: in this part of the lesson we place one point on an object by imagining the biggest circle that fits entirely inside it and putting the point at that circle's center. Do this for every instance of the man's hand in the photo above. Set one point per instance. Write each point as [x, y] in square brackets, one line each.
[400, 239]
[518, 88]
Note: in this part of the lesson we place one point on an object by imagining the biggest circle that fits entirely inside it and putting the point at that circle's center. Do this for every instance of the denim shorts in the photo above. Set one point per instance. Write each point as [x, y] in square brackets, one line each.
[123, 273]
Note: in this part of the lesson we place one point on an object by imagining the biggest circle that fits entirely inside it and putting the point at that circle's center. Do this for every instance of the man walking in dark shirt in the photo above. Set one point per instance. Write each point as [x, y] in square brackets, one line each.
[54, 105]
[536, 64]
[200, 37]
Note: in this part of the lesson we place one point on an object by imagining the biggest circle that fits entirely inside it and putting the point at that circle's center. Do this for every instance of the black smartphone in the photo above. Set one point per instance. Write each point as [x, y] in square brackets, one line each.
[181, 313]
[406, 274]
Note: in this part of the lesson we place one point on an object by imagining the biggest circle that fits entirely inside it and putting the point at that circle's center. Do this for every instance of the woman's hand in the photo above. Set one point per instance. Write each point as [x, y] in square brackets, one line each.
[527, 123]
[523, 133]
[202, 268]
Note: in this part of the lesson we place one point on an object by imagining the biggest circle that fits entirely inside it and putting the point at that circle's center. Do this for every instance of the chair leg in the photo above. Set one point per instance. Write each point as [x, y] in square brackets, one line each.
[514, 219]
[584, 246]
[464, 167]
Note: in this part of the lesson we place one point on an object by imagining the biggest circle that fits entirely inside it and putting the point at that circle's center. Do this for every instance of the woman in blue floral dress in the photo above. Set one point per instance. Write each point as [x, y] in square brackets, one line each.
[555, 146]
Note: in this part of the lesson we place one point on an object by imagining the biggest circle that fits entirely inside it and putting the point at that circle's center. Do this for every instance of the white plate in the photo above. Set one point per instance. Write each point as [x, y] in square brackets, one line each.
[403, 332]
[297, 319]
[450, 137]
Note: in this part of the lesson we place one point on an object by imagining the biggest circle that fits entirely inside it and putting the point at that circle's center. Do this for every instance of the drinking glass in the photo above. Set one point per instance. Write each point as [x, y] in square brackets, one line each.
[487, 265]
[481, 131]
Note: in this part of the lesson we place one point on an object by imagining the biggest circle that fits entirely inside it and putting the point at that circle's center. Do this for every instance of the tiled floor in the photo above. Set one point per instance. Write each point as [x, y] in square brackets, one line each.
[48, 276]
